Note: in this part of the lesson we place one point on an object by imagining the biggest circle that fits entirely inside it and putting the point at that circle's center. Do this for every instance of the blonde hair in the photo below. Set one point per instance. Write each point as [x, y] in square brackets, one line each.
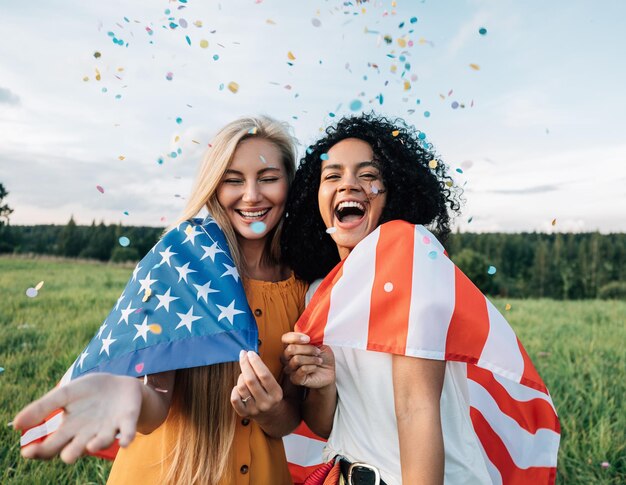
[205, 423]
[215, 163]
[201, 405]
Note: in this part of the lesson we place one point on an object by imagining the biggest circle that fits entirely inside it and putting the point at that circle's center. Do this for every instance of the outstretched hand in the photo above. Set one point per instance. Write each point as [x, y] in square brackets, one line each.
[307, 365]
[96, 407]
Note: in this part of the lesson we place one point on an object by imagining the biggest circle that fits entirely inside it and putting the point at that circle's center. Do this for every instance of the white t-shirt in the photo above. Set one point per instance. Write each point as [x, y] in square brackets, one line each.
[365, 428]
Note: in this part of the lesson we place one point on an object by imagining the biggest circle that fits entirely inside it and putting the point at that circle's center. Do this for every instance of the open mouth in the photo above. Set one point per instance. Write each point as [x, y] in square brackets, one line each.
[252, 215]
[349, 211]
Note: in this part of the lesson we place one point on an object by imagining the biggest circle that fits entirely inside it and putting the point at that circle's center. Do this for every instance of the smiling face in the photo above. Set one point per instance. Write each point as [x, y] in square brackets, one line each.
[254, 188]
[351, 196]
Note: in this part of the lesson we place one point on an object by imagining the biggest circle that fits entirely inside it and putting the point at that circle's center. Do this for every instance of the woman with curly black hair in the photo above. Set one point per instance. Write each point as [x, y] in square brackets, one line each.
[395, 335]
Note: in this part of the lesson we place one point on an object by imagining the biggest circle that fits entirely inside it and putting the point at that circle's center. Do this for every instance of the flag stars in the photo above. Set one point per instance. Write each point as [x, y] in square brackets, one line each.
[136, 272]
[119, 300]
[205, 290]
[166, 255]
[183, 271]
[126, 313]
[82, 358]
[165, 300]
[211, 251]
[101, 329]
[146, 283]
[192, 233]
[231, 271]
[187, 319]
[228, 312]
[142, 330]
[106, 343]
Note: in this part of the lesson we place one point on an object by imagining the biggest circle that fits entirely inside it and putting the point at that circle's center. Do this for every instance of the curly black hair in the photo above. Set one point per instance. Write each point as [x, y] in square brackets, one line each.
[416, 192]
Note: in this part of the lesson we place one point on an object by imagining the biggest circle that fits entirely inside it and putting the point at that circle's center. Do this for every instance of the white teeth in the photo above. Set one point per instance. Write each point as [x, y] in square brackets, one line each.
[350, 203]
[253, 214]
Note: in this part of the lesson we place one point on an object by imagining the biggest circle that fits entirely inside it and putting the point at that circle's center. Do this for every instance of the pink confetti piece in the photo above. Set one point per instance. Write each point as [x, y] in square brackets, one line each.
[100, 189]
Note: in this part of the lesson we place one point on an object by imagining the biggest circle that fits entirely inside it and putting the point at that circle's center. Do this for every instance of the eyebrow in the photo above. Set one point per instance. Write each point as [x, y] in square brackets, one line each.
[366, 163]
[230, 171]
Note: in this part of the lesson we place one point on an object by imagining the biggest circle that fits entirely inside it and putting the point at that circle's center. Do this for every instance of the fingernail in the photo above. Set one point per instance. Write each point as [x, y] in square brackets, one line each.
[304, 338]
[241, 354]
[317, 351]
[251, 353]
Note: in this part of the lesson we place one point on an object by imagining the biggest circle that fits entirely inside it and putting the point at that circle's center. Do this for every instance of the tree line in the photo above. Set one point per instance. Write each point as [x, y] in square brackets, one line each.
[527, 265]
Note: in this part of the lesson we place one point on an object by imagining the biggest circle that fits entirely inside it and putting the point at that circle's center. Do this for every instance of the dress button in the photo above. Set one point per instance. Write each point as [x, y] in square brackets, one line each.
[258, 312]
[245, 421]
[244, 469]
[259, 342]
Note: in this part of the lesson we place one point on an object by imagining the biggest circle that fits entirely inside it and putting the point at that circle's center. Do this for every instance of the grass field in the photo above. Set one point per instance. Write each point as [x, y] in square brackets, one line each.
[577, 346]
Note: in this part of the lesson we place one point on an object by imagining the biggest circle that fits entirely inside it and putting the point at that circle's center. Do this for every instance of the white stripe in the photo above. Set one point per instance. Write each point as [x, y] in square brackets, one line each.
[432, 298]
[526, 449]
[44, 429]
[523, 393]
[348, 318]
[501, 353]
[494, 473]
[303, 451]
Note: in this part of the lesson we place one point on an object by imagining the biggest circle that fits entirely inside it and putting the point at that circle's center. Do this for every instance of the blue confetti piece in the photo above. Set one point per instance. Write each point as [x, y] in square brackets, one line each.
[454, 105]
[104, 90]
[491, 270]
[332, 115]
[124, 241]
[179, 120]
[422, 136]
[324, 156]
[356, 105]
[413, 20]
[188, 39]
[309, 150]
[173, 155]
[482, 31]
[118, 96]
[179, 151]
[459, 170]
[126, 213]
[426, 114]
[258, 227]
[111, 34]
[432, 254]
[160, 160]
[173, 25]
[216, 57]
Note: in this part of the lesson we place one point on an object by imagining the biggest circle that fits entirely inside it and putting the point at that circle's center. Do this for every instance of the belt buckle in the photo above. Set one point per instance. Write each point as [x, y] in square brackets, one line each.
[366, 466]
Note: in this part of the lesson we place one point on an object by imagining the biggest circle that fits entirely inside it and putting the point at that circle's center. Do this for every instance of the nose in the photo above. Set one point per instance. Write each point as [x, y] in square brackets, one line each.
[251, 193]
[349, 183]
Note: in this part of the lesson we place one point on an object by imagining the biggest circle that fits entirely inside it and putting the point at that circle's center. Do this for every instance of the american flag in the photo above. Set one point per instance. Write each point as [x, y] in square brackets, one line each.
[397, 292]
[184, 306]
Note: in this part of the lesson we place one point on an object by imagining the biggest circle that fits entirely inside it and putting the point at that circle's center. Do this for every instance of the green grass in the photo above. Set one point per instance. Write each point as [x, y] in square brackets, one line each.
[577, 346]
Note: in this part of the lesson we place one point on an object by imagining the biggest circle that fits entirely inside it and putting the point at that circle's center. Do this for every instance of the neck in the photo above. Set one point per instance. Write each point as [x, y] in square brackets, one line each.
[254, 265]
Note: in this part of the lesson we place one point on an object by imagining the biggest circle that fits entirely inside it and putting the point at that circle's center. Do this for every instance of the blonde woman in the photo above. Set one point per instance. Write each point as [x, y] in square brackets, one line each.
[217, 424]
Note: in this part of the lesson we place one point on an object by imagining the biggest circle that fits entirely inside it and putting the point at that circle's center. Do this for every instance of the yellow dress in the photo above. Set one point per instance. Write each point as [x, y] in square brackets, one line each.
[257, 458]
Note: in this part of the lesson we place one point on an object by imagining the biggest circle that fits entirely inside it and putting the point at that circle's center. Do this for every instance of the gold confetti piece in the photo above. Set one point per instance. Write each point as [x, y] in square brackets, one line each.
[39, 285]
[433, 164]
[394, 3]
[233, 87]
[204, 43]
[122, 157]
[363, 10]
[198, 23]
[86, 78]
[291, 56]
[554, 222]
[393, 68]
[476, 67]
[155, 328]
[196, 142]
[120, 69]
[407, 85]
[188, 230]
[270, 21]
[147, 295]
[422, 41]
[176, 139]
[98, 77]
[507, 307]
[401, 42]
[448, 183]
[395, 133]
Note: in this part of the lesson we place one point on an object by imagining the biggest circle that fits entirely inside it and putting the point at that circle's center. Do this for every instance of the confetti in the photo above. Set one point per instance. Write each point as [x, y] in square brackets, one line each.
[126, 213]
[1, 371]
[155, 328]
[258, 227]
[432, 254]
[395, 133]
[432, 164]
[413, 20]
[169, 76]
[204, 43]
[39, 285]
[356, 105]
[324, 156]
[605, 464]
[97, 54]
[182, 23]
[31, 292]
[253, 130]
[426, 114]
[507, 307]
[388, 287]
[233, 87]
[426, 240]
[147, 295]
[100, 189]
[98, 77]
[458, 170]
[470, 219]
[316, 22]
[482, 31]
[262, 158]
[179, 120]
[291, 56]
[491, 270]
[454, 105]
[124, 241]
[216, 57]
[139, 368]
[476, 67]
[331, 230]
[554, 222]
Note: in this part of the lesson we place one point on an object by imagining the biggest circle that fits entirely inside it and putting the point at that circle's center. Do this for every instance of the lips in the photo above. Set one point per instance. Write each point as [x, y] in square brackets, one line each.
[350, 211]
[252, 215]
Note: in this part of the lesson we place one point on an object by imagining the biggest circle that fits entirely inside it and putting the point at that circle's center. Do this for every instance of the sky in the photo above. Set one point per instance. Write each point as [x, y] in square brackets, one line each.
[529, 114]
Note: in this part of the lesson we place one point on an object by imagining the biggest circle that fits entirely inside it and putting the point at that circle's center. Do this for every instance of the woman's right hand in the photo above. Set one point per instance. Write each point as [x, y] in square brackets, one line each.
[305, 364]
[96, 408]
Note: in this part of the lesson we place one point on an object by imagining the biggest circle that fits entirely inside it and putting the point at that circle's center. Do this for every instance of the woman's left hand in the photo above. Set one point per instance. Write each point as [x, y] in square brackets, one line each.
[256, 392]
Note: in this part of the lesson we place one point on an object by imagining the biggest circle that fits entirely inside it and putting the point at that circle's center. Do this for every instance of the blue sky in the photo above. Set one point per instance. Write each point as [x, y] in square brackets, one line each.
[543, 140]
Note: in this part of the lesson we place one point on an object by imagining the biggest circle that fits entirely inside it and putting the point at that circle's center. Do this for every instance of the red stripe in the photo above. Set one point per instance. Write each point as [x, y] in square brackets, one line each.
[313, 319]
[304, 430]
[531, 415]
[390, 307]
[530, 376]
[469, 325]
[300, 473]
[501, 459]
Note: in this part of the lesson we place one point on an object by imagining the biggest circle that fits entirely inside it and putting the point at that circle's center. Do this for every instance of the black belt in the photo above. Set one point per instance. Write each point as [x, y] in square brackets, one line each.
[362, 473]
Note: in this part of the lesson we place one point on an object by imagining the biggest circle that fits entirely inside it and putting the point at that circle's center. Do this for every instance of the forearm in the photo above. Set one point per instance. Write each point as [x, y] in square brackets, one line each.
[318, 409]
[281, 420]
[156, 397]
[421, 447]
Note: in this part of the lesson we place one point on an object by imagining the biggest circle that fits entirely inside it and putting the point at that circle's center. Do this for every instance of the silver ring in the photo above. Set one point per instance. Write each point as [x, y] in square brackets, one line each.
[244, 401]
